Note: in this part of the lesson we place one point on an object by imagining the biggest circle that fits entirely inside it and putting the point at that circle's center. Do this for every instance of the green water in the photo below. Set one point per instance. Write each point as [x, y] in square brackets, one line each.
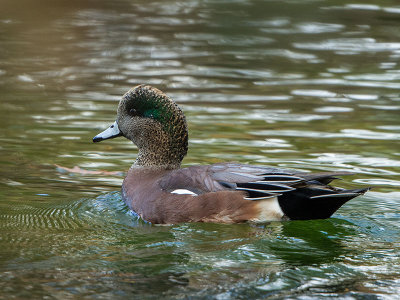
[311, 85]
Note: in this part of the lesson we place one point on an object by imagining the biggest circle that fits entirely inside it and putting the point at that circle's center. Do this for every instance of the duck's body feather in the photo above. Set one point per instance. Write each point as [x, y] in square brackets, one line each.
[231, 192]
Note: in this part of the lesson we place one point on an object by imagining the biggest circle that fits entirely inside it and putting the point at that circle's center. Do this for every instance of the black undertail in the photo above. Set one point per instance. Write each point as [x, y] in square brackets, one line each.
[310, 203]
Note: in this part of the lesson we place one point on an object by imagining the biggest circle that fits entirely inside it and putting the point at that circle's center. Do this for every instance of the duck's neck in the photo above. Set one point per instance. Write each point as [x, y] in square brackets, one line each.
[158, 160]
[163, 153]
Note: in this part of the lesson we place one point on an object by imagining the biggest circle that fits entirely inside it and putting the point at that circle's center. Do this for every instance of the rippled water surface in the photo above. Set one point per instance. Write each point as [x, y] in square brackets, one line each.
[311, 85]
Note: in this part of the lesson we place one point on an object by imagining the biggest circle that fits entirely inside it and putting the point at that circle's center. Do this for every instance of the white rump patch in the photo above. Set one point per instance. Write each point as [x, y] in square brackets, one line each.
[269, 211]
[183, 192]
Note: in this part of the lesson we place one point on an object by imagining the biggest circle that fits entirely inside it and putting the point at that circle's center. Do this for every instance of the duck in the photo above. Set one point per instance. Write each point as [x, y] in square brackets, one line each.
[160, 191]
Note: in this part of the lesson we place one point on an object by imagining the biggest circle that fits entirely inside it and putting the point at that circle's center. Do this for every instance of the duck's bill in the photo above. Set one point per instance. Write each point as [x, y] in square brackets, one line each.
[110, 133]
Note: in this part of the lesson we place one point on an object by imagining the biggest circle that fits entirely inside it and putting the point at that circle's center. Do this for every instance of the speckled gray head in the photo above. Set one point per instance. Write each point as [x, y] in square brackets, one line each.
[154, 123]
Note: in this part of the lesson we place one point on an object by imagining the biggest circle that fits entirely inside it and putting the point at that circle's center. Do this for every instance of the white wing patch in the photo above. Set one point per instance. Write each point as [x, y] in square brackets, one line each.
[183, 192]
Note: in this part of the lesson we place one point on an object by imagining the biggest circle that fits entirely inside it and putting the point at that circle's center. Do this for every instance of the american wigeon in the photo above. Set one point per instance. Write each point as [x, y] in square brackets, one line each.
[160, 192]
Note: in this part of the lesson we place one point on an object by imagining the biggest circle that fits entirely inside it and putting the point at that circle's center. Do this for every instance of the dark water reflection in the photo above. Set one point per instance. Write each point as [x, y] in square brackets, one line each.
[299, 84]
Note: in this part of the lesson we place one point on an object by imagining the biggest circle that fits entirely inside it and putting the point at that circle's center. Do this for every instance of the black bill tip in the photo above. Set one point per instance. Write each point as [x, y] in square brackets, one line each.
[97, 139]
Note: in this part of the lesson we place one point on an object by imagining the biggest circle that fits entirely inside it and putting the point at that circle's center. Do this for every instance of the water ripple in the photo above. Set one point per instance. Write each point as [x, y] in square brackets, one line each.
[74, 215]
[332, 82]
[350, 45]
[305, 28]
[345, 133]
[35, 218]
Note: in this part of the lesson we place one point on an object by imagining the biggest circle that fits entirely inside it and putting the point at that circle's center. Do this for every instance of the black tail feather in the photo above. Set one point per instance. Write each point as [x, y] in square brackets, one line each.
[301, 205]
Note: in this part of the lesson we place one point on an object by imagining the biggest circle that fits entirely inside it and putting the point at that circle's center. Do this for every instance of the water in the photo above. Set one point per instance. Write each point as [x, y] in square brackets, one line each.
[312, 85]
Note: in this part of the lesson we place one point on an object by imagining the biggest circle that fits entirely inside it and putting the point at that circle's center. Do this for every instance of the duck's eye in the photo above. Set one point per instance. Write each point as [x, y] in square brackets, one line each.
[133, 112]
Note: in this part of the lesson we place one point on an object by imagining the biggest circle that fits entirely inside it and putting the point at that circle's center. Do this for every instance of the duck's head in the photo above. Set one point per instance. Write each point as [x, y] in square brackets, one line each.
[154, 123]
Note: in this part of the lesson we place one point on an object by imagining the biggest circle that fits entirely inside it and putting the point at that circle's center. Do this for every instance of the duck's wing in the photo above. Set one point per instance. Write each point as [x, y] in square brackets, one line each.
[195, 179]
[211, 178]
[258, 182]
[253, 179]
